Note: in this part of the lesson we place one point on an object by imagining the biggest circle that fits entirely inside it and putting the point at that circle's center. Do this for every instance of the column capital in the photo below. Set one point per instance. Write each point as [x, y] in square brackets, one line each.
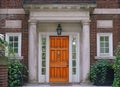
[32, 22]
[86, 22]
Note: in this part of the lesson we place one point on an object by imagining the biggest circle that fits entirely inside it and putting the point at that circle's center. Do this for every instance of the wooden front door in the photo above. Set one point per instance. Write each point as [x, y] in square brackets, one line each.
[59, 59]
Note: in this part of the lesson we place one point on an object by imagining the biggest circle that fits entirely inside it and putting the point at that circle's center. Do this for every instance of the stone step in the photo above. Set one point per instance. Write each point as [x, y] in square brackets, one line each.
[48, 85]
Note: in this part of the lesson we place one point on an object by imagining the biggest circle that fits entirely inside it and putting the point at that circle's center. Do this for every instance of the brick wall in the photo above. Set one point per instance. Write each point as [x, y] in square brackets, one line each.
[94, 30]
[23, 30]
[3, 76]
[108, 3]
[11, 3]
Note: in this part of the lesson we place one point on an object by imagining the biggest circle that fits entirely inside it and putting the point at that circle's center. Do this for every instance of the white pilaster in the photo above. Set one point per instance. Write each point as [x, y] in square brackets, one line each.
[32, 52]
[85, 49]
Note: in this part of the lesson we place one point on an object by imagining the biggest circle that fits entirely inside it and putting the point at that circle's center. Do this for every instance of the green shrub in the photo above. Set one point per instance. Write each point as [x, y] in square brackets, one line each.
[15, 74]
[116, 68]
[98, 71]
[15, 68]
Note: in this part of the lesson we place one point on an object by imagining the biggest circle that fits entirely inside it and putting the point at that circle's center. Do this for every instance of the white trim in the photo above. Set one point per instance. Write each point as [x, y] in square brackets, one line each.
[47, 56]
[75, 78]
[43, 79]
[110, 54]
[106, 11]
[19, 42]
[104, 57]
[58, 7]
[104, 23]
[12, 11]
[13, 24]
[70, 59]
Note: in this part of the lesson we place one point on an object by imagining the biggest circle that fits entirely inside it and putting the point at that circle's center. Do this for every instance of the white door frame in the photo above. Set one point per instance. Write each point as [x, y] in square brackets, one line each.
[72, 78]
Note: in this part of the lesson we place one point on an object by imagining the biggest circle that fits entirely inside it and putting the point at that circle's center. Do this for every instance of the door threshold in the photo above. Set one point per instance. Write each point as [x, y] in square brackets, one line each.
[61, 84]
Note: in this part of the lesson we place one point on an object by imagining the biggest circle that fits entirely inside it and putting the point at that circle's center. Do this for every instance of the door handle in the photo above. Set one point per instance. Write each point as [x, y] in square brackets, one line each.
[58, 53]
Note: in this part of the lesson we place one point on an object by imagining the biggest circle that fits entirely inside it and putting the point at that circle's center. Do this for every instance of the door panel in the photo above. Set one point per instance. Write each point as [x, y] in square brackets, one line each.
[59, 59]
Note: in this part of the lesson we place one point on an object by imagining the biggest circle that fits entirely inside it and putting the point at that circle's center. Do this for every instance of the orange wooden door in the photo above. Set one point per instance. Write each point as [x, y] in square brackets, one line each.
[59, 59]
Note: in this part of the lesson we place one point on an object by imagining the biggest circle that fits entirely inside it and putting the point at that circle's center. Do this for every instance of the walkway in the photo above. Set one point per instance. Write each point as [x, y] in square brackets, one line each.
[65, 86]
[74, 85]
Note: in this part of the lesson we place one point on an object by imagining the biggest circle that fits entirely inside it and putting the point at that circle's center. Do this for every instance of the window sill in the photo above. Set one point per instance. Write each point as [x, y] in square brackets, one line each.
[104, 57]
[17, 57]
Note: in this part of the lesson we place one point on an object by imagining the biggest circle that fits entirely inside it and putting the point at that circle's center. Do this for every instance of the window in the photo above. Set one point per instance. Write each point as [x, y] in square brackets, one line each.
[104, 45]
[43, 55]
[14, 39]
[74, 53]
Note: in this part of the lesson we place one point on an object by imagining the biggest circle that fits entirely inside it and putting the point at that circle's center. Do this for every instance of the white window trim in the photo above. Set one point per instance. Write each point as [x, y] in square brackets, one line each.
[19, 41]
[110, 56]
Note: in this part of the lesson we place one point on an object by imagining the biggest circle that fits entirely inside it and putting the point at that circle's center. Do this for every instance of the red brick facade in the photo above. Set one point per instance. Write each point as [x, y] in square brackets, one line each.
[3, 76]
[23, 30]
[94, 30]
[93, 26]
[108, 3]
[11, 3]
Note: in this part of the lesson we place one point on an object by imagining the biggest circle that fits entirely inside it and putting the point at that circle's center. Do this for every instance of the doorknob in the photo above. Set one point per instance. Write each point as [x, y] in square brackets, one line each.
[58, 53]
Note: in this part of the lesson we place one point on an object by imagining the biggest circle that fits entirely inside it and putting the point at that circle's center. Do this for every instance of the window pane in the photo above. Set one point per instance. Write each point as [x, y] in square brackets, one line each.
[43, 64]
[74, 71]
[101, 50]
[43, 56]
[15, 38]
[74, 41]
[16, 50]
[106, 50]
[43, 71]
[74, 63]
[43, 49]
[15, 44]
[74, 49]
[101, 44]
[106, 38]
[74, 55]
[101, 38]
[43, 41]
[11, 44]
[107, 44]
[10, 38]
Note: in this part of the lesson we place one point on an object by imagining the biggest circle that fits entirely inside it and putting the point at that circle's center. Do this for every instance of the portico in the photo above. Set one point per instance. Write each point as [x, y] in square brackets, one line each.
[43, 22]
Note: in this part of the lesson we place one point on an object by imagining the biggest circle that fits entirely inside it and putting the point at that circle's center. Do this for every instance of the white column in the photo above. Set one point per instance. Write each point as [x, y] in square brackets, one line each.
[32, 60]
[85, 49]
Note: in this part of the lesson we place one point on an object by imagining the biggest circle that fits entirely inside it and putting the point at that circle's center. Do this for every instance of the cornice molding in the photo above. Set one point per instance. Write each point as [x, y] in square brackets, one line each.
[58, 7]
[12, 11]
[106, 11]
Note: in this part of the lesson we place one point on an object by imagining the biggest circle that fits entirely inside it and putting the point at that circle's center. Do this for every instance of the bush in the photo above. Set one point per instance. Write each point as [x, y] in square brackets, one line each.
[116, 67]
[15, 68]
[15, 75]
[99, 72]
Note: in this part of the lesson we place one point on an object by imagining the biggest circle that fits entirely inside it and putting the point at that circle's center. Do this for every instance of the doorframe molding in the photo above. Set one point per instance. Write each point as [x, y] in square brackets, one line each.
[45, 78]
